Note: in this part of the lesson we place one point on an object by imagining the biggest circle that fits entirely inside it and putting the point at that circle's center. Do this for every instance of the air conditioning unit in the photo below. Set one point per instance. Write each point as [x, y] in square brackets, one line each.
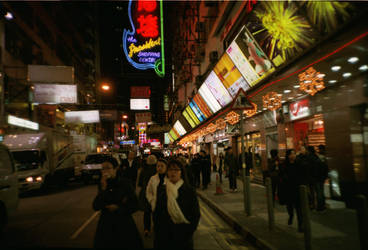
[213, 56]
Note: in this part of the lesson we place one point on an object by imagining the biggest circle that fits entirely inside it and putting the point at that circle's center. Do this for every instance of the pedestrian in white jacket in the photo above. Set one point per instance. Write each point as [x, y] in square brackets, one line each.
[158, 179]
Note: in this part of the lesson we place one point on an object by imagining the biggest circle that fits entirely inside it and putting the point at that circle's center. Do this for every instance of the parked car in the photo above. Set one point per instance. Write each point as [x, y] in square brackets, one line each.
[91, 168]
[8, 186]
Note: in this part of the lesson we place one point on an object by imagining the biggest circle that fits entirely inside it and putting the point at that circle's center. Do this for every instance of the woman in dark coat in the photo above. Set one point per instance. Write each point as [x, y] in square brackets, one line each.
[292, 179]
[177, 214]
[117, 201]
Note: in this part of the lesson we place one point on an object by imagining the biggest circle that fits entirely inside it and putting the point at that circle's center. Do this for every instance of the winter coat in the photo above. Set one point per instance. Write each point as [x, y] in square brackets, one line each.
[176, 236]
[290, 180]
[304, 167]
[117, 229]
[147, 172]
[129, 172]
[231, 165]
[151, 190]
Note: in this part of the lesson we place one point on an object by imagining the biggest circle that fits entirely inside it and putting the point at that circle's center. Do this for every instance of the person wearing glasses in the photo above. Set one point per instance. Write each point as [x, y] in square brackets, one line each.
[176, 212]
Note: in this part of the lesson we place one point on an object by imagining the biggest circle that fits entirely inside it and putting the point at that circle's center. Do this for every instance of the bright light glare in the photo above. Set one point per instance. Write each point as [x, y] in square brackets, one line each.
[353, 59]
[105, 87]
[363, 67]
[346, 75]
[125, 117]
[335, 68]
[296, 86]
[39, 178]
[29, 179]
[8, 16]
[287, 91]
[332, 81]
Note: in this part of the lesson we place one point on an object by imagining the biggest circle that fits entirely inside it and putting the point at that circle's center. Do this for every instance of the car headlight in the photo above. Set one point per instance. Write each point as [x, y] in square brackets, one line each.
[29, 179]
[39, 178]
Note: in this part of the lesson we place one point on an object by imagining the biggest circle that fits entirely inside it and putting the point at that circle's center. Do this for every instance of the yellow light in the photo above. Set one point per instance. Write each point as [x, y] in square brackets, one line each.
[272, 100]
[29, 179]
[39, 178]
[311, 81]
[232, 118]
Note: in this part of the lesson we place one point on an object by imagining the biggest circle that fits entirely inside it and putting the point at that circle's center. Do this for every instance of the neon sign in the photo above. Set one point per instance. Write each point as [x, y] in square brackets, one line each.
[143, 45]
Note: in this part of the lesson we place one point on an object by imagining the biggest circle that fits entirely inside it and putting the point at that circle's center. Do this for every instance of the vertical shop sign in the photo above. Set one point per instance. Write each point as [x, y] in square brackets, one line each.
[144, 44]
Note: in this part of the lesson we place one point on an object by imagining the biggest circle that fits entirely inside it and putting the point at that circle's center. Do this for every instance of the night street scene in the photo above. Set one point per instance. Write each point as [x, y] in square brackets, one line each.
[179, 125]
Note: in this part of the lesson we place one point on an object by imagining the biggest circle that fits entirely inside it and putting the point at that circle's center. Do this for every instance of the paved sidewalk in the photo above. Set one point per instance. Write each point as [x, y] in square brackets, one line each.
[335, 228]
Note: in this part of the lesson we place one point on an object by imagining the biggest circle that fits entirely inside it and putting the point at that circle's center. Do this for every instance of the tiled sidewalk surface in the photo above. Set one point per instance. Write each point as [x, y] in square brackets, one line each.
[336, 228]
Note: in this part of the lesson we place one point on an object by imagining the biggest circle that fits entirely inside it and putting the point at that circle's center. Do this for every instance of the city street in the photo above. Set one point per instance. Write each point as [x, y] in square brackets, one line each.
[65, 218]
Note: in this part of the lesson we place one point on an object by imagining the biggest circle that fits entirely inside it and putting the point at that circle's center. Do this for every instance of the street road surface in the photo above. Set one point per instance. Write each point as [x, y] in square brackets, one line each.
[65, 218]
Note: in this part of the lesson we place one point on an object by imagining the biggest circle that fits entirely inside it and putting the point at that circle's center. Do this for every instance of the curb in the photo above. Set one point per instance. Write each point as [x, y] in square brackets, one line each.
[240, 229]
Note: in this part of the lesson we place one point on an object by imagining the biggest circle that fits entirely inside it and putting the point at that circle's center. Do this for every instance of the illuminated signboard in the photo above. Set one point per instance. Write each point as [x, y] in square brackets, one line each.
[217, 89]
[190, 120]
[144, 44]
[179, 127]
[202, 105]
[142, 136]
[130, 142]
[249, 58]
[173, 134]
[197, 111]
[170, 136]
[55, 93]
[91, 116]
[13, 120]
[167, 138]
[139, 104]
[140, 92]
[299, 109]
[192, 115]
[230, 75]
[209, 98]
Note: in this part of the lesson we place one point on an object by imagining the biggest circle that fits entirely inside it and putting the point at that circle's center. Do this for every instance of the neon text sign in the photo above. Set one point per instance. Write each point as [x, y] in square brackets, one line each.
[143, 45]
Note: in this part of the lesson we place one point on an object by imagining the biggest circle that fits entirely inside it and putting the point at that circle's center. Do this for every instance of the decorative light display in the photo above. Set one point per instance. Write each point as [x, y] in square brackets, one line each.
[251, 112]
[311, 81]
[142, 127]
[144, 44]
[272, 100]
[211, 128]
[221, 124]
[232, 118]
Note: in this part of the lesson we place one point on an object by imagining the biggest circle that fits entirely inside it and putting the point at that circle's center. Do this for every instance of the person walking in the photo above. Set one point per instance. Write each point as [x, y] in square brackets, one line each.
[221, 165]
[196, 167]
[147, 172]
[231, 167]
[323, 175]
[176, 213]
[129, 168]
[291, 180]
[274, 165]
[205, 164]
[305, 169]
[117, 202]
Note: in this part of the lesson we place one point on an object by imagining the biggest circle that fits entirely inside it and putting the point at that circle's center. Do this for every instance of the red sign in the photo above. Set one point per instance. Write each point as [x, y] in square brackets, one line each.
[140, 92]
[148, 23]
[299, 109]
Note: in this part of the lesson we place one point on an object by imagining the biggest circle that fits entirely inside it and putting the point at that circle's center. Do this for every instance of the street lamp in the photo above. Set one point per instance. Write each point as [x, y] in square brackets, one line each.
[105, 86]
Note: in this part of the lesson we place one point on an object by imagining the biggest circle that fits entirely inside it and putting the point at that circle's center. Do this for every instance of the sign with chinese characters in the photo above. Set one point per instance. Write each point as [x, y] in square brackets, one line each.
[55, 93]
[139, 104]
[299, 109]
[140, 92]
[143, 45]
[142, 127]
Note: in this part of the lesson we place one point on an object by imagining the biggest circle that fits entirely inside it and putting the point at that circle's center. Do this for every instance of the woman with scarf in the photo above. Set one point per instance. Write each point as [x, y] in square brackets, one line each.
[175, 209]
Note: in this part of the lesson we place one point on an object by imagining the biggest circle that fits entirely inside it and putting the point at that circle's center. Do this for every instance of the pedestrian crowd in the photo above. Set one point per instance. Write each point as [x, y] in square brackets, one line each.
[166, 196]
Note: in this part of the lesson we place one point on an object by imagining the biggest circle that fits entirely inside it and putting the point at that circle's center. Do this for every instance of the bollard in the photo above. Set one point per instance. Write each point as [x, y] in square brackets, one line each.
[271, 215]
[304, 205]
[248, 195]
[362, 214]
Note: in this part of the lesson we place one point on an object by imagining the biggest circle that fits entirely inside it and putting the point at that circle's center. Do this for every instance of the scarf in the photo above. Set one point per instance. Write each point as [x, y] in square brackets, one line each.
[173, 208]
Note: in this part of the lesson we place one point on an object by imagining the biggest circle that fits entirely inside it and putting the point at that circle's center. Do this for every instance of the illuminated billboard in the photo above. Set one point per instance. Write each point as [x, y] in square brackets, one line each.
[202, 105]
[90, 116]
[189, 119]
[192, 115]
[139, 104]
[179, 127]
[217, 89]
[143, 45]
[13, 120]
[230, 75]
[249, 58]
[54, 93]
[209, 98]
[197, 111]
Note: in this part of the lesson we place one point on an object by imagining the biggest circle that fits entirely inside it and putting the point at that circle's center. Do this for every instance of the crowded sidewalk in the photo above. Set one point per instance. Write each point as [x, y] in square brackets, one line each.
[335, 228]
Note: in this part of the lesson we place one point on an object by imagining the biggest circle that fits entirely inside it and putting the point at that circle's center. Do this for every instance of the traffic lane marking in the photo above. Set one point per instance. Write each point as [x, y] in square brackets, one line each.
[85, 224]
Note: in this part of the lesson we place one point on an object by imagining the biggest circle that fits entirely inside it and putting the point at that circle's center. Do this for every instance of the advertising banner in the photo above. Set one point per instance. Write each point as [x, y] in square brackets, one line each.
[108, 115]
[299, 109]
[197, 111]
[209, 98]
[249, 58]
[140, 92]
[230, 75]
[192, 115]
[54, 93]
[179, 127]
[202, 105]
[91, 116]
[139, 104]
[189, 119]
[217, 89]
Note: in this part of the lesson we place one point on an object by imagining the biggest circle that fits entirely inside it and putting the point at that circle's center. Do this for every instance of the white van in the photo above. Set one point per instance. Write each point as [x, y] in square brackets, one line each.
[8, 186]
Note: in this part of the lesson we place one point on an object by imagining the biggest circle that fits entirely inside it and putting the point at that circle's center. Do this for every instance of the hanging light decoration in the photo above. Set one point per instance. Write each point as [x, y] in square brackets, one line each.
[232, 118]
[221, 124]
[272, 100]
[211, 128]
[251, 112]
[311, 81]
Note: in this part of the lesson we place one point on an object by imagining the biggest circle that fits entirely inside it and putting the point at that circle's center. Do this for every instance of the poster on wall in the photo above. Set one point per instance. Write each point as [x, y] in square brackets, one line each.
[230, 76]
[143, 43]
[249, 58]
[217, 89]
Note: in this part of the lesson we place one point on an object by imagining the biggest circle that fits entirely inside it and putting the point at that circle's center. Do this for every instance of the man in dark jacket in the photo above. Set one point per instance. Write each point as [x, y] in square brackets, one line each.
[319, 175]
[231, 167]
[205, 169]
[129, 168]
[196, 168]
